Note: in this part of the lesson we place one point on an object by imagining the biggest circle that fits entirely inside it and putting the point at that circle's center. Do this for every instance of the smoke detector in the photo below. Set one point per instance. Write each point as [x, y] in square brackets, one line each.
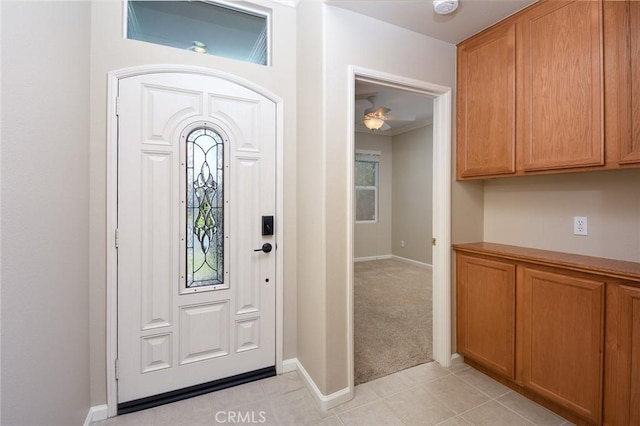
[443, 7]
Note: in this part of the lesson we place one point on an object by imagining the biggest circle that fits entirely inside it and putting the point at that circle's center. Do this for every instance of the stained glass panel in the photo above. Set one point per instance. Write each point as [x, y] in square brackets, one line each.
[205, 201]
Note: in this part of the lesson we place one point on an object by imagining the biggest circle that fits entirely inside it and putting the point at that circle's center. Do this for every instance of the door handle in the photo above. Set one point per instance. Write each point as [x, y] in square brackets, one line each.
[266, 247]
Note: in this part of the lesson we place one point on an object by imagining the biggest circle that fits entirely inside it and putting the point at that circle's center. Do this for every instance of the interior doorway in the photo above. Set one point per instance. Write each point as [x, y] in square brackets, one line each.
[392, 230]
[441, 201]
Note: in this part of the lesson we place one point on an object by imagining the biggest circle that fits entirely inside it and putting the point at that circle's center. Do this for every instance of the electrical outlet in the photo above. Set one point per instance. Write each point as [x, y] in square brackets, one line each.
[402, 243]
[580, 225]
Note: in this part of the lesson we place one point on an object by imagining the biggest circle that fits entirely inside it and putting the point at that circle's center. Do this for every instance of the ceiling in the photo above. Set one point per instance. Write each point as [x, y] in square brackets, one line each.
[408, 110]
[471, 17]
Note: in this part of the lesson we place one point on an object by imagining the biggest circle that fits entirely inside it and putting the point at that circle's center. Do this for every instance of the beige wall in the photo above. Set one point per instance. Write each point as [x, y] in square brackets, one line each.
[374, 239]
[312, 322]
[322, 132]
[538, 212]
[412, 194]
[110, 51]
[45, 213]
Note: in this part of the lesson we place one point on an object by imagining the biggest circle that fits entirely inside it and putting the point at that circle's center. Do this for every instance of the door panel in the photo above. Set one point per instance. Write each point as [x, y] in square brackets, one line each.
[562, 339]
[175, 328]
[562, 85]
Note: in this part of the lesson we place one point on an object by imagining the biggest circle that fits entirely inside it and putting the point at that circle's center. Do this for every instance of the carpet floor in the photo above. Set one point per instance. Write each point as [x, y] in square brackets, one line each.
[392, 317]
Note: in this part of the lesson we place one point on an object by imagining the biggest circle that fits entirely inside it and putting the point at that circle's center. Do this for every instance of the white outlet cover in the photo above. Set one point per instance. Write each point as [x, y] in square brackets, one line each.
[580, 225]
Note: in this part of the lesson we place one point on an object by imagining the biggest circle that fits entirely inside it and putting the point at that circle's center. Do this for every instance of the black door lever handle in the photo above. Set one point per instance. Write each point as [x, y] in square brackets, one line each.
[266, 247]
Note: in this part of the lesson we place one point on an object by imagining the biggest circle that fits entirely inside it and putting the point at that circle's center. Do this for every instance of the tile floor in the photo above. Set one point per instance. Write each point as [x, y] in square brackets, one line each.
[424, 395]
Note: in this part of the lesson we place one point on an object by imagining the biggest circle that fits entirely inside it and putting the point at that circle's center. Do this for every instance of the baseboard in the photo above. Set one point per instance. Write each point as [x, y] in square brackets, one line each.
[289, 365]
[413, 262]
[95, 414]
[368, 258]
[326, 402]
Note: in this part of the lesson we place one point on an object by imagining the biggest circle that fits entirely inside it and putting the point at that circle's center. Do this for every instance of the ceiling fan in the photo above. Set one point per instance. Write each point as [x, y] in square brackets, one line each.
[374, 118]
[378, 118]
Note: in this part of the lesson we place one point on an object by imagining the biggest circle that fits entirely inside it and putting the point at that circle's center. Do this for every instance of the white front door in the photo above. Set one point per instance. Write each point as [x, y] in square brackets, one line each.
[196, 175]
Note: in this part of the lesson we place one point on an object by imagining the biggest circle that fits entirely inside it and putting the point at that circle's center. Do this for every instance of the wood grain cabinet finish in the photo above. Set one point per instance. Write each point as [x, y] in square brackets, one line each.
[622, 85]
[561, 339]
[575, 324]
[622, 356]
[486, 119]
[486, 312]
[572, 70]
[562, 117]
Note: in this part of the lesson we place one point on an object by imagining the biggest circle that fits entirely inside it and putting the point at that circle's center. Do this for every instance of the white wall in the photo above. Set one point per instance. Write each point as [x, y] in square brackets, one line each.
[45, 213]
[324, 299]
[110, 51]
[538, 211]
[374, 239]
[412, 194]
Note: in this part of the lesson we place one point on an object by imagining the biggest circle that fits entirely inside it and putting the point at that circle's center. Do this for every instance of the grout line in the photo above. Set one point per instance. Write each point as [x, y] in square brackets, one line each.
[537, 405]
[515, 412]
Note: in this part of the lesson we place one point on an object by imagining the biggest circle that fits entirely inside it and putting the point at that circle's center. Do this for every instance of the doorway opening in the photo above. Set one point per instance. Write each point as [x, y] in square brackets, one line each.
[437, 130]
[392, 232]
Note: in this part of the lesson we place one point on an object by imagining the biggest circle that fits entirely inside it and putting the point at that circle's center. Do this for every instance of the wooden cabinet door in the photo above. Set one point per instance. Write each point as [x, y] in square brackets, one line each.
[562, 90]
[632, 151]
[622, 356]
[486, 120]
[560, 340]
[622, 83]
[486, 312]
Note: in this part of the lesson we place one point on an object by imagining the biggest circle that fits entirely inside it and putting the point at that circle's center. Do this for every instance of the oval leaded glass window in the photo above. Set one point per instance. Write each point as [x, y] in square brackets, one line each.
[205, 208]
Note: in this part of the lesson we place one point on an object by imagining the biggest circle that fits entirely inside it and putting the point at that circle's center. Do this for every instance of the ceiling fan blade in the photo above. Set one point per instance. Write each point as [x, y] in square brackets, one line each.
[394, 117]
[384, 127]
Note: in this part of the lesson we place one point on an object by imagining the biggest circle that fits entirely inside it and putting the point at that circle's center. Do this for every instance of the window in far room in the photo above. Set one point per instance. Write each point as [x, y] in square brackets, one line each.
[366, 180]
[219, 28]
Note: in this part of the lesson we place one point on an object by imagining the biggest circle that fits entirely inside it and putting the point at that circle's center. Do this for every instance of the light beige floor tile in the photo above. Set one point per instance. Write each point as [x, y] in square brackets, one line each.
[297, 408]
[426, 372]
[568, 423]
[282, 383]
[363, 394]
[391, 384]
[189, 412]
[485, 383]
[229, 398]
[454, 421]
[139, 418]
[416, 406]
[530, 410]
[456, 394]
[330, 421]
[375, 413]
[251, 413]
[457, 364]
[494, 414]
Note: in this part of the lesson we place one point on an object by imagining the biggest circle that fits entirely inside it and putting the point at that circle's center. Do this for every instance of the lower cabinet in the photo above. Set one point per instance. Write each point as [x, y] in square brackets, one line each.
[487, 317]
[622, 356]
[561, 339]
[561, 329]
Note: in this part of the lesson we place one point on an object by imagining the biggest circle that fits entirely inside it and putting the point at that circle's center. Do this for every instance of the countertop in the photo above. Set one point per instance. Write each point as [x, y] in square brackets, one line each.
[575, 262]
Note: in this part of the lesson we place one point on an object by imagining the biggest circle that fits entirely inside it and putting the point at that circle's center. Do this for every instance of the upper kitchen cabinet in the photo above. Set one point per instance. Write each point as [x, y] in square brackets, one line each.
[562, 88]
[554, 88]
[487, 103]
[622, 85]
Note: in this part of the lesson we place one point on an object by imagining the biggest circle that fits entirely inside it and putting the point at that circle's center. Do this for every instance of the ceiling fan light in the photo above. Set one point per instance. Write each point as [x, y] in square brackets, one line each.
[373, 123]
[443, 7]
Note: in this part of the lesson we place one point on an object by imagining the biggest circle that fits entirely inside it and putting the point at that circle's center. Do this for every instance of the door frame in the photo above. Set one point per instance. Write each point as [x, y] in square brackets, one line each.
[441, 220]
[112, 209]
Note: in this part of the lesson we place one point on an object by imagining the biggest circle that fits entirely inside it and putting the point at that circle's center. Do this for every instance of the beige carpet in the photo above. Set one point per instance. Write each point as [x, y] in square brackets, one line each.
[392, 317]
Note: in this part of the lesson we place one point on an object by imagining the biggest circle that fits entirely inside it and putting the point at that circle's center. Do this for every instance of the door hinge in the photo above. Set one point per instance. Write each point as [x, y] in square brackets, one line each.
[117, 105]
[117, 369]
[433, 241]
[117, 238]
